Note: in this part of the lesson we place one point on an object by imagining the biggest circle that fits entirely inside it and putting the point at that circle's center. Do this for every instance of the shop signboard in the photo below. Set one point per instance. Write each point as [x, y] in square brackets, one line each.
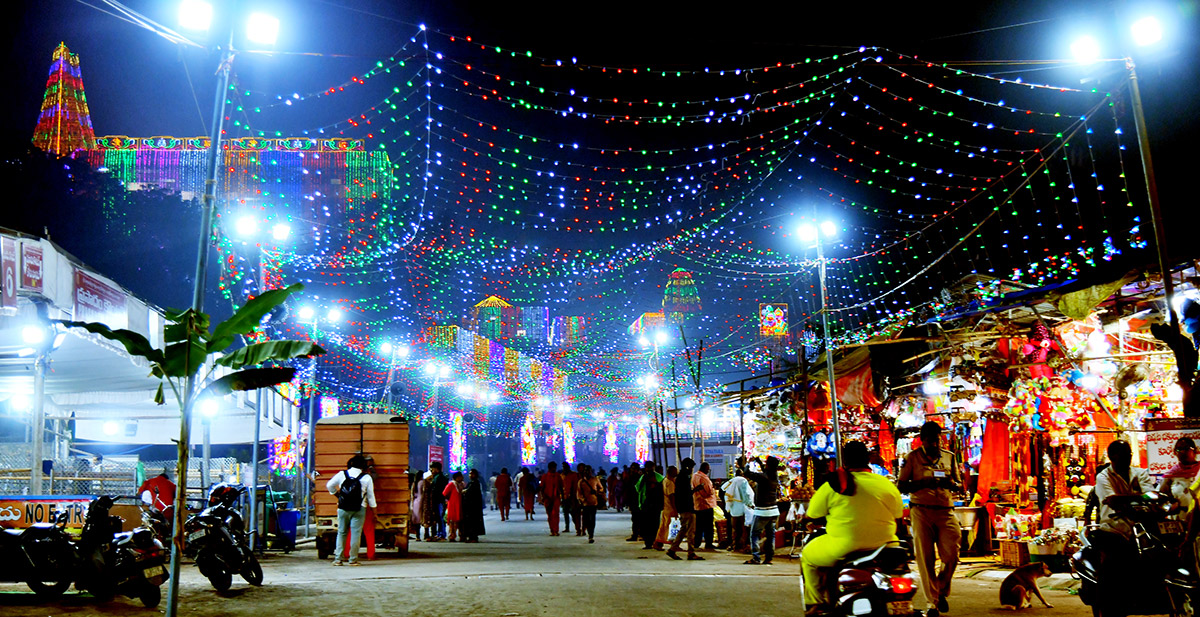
[97, 301]
[8, 265]
[437, 454]
[1161, 435]
[31, 267]
[22, 512]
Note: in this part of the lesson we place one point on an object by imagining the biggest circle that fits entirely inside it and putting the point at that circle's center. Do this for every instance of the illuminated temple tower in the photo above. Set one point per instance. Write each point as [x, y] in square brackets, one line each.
[295, 177]
[64, 125]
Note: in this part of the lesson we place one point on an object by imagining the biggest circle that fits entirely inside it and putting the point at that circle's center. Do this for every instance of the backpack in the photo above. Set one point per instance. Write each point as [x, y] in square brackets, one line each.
[350, 495]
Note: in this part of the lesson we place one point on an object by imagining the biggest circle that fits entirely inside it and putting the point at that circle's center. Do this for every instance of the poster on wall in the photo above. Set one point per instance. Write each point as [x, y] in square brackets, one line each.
[437, 454]
[31, 267]
[97, 301]
[773, 319]
[1161, 435]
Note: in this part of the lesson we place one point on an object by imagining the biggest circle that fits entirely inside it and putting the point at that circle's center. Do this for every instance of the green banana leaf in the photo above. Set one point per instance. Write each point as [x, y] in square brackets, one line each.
[247, 318]
[135, 344]
[249, 379]
[258, 353]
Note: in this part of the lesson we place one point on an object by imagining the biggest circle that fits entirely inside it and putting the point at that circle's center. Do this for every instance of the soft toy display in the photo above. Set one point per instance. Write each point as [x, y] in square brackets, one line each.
[1040, 344]
[1076, 476]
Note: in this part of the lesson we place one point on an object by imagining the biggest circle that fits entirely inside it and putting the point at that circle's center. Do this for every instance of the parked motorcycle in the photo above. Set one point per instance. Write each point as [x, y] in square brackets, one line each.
[129, 563]
[40, 556]
[876, 581]
[216, 540]
[1109, 565]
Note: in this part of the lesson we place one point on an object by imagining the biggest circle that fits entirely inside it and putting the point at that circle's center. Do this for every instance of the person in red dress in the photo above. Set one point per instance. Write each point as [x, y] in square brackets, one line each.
[552, 487]
[504, 493]
[162, 491]
[453, 494]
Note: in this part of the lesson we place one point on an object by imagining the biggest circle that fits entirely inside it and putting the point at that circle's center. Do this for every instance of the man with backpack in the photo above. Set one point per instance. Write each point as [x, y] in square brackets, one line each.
[355, 492]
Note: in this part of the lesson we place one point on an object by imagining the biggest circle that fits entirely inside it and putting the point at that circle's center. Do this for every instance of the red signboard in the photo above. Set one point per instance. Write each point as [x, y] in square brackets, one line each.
[8, 267]
[437, 454]
[21, 512]
[31, 267]
[96, 300]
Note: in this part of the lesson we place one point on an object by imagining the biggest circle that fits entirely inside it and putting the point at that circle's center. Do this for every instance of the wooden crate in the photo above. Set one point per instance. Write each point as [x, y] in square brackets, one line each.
[377, 435]
[1014, 553]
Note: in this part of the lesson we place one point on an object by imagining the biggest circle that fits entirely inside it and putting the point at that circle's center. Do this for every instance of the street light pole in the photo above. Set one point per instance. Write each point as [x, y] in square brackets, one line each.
[833, 400]
[1160, 232]
[309, 479]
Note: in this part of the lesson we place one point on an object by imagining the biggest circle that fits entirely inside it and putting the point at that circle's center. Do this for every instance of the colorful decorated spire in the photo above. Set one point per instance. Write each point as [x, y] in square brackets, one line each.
[65, 124]
[681, 300]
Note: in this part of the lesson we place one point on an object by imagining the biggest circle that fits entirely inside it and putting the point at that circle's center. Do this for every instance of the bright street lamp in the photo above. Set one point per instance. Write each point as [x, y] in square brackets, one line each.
[1146, 31]
[262, 29]
[280, 232]
[809, 233]
[247, 225]
[195, 14]
[306, 313]
[1086, 49]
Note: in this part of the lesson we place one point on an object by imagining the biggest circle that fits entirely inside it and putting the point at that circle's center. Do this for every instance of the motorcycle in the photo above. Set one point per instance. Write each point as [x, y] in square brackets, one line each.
[875, 581]
[216, 540]
[1109, 565]
[41, 556]
[129, 563]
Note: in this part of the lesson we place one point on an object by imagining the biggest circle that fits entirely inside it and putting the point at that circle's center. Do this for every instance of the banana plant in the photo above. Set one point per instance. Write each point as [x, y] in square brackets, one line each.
[189, 343]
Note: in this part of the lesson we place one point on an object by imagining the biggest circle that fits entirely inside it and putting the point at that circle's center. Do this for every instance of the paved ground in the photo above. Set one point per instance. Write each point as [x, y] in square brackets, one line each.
[517, 570]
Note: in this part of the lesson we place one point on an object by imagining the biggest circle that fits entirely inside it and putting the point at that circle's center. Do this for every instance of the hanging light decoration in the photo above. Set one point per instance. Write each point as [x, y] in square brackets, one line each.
[641, 444]
[458, 444]
[528, 445]
[568, 443]
[610, 442]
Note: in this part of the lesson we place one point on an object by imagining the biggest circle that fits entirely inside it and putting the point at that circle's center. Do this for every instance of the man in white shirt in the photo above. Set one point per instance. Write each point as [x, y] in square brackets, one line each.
[352, 510]
[1121, 478]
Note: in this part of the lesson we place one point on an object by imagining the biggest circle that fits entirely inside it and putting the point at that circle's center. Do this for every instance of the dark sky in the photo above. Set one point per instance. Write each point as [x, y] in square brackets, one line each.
[139, 84]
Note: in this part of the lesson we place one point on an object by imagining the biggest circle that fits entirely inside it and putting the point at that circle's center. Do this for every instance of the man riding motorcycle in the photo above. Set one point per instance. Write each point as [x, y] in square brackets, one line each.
[862, 511]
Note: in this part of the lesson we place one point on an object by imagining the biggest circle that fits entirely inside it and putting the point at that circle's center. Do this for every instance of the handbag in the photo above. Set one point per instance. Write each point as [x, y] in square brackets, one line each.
[673, 529]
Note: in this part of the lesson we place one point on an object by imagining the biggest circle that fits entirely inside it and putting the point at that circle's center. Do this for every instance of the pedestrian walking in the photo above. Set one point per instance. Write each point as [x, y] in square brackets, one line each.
[415, 520]
[931, 478]
[686, 506]
[453, 495]
[429, 508]
[669, 513]
[629, 496]
[766, 508]
[491, 491]
[570, 507]
[504, 485]
[706, 501]
[438, 490]
[590, 493]
[738, 498]
[650, 503]
[355, 493]
[552, 495]
[527, 491]
[470, 525]
[614, 490]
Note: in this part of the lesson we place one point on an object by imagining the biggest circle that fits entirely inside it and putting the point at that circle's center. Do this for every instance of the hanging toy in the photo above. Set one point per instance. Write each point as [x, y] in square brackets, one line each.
[1038, 348]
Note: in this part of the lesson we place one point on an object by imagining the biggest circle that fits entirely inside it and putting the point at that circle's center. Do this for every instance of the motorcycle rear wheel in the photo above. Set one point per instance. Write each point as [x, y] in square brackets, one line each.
[222, 581]
[151, 595]
[49, 590]
[252, 571]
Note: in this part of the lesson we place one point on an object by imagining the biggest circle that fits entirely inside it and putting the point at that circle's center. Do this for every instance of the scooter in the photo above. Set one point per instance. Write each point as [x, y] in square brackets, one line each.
[40, 556]
[1109, 565]
[128, 563]
[216, 540]
[876, 581]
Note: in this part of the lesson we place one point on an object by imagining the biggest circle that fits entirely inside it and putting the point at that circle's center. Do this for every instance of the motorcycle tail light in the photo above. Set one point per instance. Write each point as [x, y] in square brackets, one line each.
[901, 584]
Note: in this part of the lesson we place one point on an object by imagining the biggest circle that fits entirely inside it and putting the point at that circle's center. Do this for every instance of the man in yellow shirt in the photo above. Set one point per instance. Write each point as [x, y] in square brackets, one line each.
[861, 513]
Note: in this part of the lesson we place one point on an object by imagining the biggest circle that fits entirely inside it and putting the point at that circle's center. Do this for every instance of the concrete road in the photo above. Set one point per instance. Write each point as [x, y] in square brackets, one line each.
[516, 570]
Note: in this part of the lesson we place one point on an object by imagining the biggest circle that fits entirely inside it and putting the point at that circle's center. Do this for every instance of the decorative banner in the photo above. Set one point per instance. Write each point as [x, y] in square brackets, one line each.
[8, 262]
[329, 406]
[528, 446]
[458, 445]
[436, 454]
[31, 267]
[610, 442]
[642, 444]
[773, 319]
[282, 456]
[568, 443]
[97, 301]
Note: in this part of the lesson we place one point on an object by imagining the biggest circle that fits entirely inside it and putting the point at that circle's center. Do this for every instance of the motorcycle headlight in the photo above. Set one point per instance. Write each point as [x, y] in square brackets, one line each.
[143, 538]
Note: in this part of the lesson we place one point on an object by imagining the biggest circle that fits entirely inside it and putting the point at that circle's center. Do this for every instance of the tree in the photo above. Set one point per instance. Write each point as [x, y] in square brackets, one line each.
[189, 344]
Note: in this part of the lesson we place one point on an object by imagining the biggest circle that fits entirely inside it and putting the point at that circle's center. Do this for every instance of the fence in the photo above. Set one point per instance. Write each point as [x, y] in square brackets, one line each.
[109, 476]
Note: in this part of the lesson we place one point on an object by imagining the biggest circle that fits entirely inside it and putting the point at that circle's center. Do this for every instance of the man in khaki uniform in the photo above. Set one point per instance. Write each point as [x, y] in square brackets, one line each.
[931, 478]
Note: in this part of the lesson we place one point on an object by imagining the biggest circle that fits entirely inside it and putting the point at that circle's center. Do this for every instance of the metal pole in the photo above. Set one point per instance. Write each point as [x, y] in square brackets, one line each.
[210, 187]
[1156, 220]
[39, 424]
[742, 419]
[308, 455]
[675, 411]
[206, 453]
[388, 385]
[258, 409]
[833, 401]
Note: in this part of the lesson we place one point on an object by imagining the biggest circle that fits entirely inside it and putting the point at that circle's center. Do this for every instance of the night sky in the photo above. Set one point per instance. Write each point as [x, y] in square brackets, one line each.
[139, 84]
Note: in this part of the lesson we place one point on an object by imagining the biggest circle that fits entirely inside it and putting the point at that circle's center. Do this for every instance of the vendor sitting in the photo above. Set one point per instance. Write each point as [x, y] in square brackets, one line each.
[862, 511]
